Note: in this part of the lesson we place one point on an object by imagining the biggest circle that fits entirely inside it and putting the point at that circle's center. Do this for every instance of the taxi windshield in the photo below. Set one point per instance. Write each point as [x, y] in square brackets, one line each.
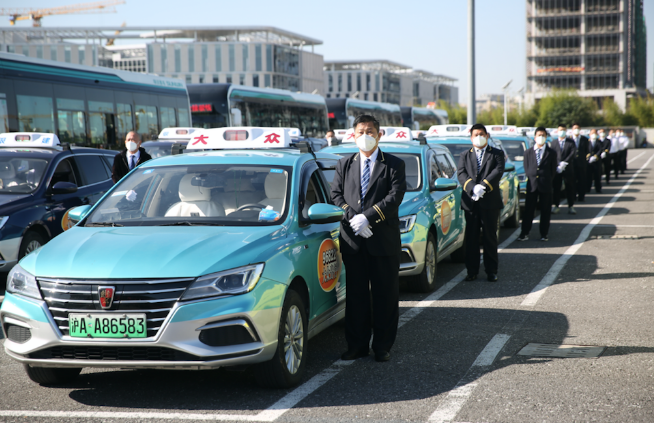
[515, 149]
[21, 175]
[158, 150]
[216, 194]
[457, 149]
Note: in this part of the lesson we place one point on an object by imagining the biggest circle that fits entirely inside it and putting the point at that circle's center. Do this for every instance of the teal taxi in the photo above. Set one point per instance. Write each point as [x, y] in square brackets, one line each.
[432, 224]
[457, 139]
[223, 256]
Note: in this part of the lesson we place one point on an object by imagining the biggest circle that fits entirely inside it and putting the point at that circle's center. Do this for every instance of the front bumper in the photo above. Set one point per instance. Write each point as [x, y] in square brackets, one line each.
[414, 244]
[9, 253]
[177, 345]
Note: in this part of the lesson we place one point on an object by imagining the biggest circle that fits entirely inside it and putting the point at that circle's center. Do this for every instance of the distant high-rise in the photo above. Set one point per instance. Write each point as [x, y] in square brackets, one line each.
[597, 47]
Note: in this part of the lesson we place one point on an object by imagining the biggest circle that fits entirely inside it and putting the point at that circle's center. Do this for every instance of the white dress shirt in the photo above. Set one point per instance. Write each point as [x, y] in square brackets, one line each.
[624, 142]
[373, 159]
[615, 145]
[136, 155]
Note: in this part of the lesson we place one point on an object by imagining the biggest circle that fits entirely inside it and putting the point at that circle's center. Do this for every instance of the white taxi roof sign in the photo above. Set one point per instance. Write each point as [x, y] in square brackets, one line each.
[294, 132]
[176, 133]
[449, 131]
[29, 139]
[340, 133]
[239, 137]
[395, 134]
[502, 130]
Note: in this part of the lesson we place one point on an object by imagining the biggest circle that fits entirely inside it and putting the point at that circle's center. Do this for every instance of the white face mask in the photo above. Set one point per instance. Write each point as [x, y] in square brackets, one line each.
[575, 132]
[540, 140]
[131, 146]
[479, 141]
[602, 135]
[593, 137]
[366, 143]
[561, 135]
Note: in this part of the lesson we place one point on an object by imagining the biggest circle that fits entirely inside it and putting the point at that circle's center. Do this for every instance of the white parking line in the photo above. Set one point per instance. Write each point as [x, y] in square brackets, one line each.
[632, 159]
[125, 415]
[456, 399]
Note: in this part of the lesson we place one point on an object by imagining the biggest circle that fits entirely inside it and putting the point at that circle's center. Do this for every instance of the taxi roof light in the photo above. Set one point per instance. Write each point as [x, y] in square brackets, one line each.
[449, 131]
[239, 138]
[176, 133]
[389, 134]
[29, 139]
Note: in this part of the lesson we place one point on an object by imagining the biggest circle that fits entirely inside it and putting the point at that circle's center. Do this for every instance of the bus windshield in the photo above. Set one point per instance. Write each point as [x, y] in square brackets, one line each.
[515, 149]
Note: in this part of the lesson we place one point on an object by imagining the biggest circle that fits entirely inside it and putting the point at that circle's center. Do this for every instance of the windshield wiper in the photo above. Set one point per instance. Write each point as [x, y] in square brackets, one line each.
[112, 224]
[187, 223]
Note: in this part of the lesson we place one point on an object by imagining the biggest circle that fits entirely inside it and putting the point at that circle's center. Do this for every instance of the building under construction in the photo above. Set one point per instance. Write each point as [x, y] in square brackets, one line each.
[597, 47]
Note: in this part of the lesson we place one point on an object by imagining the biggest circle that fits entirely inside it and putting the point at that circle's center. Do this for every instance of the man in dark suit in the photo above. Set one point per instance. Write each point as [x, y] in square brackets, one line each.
[132, 156]
[565, 151]
[605, 155]
[540, 165]
[370, 186]
[580, 161]
[480, 170]
[594, 173]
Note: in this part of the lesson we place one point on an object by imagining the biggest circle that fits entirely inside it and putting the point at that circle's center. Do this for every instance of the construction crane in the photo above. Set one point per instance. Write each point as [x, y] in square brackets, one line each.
[25, 13]
[111, 41]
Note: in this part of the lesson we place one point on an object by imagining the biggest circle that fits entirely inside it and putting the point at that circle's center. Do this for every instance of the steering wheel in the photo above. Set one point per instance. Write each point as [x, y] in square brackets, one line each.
[249, 206]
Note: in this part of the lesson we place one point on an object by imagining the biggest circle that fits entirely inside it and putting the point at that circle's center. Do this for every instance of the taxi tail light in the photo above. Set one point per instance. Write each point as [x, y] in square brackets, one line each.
[23, 138]
[237, 135]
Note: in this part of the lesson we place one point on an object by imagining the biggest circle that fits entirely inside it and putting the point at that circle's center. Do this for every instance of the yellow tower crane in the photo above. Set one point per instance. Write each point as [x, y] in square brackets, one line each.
[25, 13]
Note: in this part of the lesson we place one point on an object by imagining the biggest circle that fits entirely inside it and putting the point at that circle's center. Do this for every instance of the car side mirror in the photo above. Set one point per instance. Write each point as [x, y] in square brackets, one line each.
[509, 167]
[444, 184]
[325, 213]
[76, 214]
[62, 187]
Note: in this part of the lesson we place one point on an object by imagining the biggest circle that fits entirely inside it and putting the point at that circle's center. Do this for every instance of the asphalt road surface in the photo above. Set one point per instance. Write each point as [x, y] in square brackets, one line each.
[460, 354]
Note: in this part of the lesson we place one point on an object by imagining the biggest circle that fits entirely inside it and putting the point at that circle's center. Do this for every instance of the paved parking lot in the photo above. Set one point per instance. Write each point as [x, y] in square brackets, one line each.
[457, 353]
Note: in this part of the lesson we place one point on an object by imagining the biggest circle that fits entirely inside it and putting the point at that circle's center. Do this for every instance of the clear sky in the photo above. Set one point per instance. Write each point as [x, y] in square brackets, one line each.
[428, 34]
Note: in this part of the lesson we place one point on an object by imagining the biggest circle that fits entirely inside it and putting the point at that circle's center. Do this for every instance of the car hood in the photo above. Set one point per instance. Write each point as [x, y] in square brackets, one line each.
[148, 252]
[411, 203]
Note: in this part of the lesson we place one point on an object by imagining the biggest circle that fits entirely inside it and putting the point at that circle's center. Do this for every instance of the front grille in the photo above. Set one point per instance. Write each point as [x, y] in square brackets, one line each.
[126, 354]
[18, 334]
[155, 297]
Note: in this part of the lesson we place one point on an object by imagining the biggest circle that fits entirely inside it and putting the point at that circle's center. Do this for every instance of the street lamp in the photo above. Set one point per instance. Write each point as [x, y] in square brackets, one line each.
[504, 89]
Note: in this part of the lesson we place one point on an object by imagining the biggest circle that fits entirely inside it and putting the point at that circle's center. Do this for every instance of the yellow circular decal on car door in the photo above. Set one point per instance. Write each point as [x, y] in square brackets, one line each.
[446, 217]
[329, 265]
[65, 221]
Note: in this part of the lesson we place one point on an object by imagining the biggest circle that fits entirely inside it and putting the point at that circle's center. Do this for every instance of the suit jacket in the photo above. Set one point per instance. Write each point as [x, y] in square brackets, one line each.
[380, 206]
[540, 177]
[121, 167]
[596, 148]
[566, 153]
[583, 152]
[492, 169]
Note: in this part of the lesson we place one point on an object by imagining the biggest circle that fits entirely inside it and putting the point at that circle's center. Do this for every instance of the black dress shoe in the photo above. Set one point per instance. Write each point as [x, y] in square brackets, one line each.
[492, 277]
[354, 354]
[382, 356]
[470, 277]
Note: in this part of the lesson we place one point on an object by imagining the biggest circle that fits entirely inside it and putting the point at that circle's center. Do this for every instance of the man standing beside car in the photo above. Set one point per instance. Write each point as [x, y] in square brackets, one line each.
[370, 186]
[132, 156]
[480, 171]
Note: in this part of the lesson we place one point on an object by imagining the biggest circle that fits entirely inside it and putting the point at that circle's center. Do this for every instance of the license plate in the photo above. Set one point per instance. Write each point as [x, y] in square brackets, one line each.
[107, 325]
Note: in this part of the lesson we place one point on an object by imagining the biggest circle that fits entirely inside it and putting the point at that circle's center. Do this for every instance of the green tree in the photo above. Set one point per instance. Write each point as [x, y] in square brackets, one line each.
[456, 113]
[566, 107]
[641, 112]
[613, 115]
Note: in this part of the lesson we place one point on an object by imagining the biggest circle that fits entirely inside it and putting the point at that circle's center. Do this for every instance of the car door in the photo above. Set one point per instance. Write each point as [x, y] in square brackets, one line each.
[321, 254]
[58, 205]
[449, 215]
[96, 177]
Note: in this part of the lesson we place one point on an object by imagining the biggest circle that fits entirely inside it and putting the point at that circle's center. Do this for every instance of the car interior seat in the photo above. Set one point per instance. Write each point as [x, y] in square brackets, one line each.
[275, 188]
[196, 201]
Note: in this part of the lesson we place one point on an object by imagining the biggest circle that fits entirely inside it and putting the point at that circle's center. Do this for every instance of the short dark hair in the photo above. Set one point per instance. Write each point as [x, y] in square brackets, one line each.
[478, 126]
[539, 129]
[561, 125]
[576, 124]
[366, 119]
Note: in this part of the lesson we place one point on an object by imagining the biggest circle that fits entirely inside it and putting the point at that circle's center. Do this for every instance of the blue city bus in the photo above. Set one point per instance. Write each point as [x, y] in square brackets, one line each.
[86, 105]
[343, 111]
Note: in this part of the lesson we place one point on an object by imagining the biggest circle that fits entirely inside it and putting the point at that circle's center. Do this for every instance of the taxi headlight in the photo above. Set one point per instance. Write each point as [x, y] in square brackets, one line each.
[22, 283]
[522, 178]
[406, 223]
[234, 281]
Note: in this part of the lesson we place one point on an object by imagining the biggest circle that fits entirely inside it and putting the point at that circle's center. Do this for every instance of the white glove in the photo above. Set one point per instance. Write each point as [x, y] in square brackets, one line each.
[131, 195]
[358, 222]
[365, 232]
[603, 155]
[559, 169]
[592, 159]
[475, 197]
[563, 165]
[479, 190]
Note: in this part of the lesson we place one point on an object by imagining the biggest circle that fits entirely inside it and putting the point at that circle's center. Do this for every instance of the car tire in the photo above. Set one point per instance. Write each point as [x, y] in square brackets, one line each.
[50, 375]
[514, 220]
[31, 242]
[426, 280]
[288, 365]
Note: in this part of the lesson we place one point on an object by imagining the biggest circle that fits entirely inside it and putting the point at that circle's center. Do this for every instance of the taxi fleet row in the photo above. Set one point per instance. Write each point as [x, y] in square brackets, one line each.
[225, 255]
